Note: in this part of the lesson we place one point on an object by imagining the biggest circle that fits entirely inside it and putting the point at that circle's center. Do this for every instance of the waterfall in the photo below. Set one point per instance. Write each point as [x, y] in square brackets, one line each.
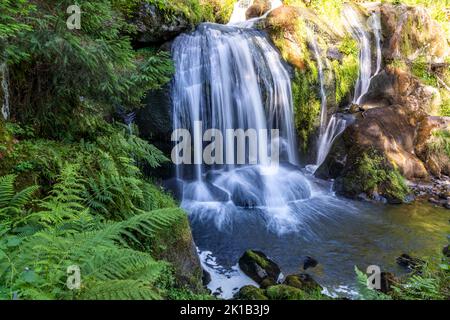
[357, 29]
[337, 124]
[323, 95]
[331, 130]
[375, 24]
[232, 78]
[5, 90]
[239, 12]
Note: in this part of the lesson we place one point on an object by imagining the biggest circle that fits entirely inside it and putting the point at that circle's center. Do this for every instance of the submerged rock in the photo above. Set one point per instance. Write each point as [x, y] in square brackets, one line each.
[309, 262]
[257, 266]
[410, 263]
[303, 282]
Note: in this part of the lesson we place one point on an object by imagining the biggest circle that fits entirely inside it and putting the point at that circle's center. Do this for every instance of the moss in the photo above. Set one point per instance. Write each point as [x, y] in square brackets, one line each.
[175, 245]
[372, 173]
[222, 9]
[252, 293]
[263, 263]
[422, 70]
[284, 292]
[346, 73]
[306, 105]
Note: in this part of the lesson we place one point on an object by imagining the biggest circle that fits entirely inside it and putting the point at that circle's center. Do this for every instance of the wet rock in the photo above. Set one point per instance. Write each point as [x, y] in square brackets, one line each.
[355, 108]
[251, 293]
[333, 53]
[309, 262]
[303, 282]
[388, 281]
[259, 267]
[410, 263]
[206, 278]
[258, 8]
[335, 162]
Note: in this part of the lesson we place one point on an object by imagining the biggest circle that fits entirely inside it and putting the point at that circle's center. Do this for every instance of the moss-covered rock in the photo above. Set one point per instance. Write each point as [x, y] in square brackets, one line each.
[303, 282]
[259, 267]
[285, 292]
[176, 246]
[157, 22]
[373, 175]
[251, 293]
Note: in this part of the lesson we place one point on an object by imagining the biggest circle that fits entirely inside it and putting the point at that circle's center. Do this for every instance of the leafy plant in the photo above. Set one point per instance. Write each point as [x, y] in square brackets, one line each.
[366, 293]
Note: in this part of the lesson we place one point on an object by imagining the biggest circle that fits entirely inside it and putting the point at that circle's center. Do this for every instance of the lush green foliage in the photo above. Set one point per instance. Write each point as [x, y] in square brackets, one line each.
[431, 283]
[306, 105]
[66, 73]
[37, 249]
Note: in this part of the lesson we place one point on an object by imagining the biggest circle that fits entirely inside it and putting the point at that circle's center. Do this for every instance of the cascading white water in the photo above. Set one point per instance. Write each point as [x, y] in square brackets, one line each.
[337, 124]
[232, 78]
[239, 12]
[335, 128]
[323, 95]
[356, 27]
[5, 90]
[375, 24]
[331, 130]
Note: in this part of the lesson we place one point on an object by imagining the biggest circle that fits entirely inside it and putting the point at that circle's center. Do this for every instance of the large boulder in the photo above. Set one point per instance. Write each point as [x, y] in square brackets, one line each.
[259, 267]
[155, 27]
[391, 131]
[176, 246]
[396, 105]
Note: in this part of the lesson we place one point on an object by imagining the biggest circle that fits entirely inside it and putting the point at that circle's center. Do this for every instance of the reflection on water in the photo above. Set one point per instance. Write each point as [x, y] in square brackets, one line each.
[356, 233]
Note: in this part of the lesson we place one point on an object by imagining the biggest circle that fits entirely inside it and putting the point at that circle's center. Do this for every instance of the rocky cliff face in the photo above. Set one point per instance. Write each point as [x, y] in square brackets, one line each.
[399, 115]
[398, 118]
